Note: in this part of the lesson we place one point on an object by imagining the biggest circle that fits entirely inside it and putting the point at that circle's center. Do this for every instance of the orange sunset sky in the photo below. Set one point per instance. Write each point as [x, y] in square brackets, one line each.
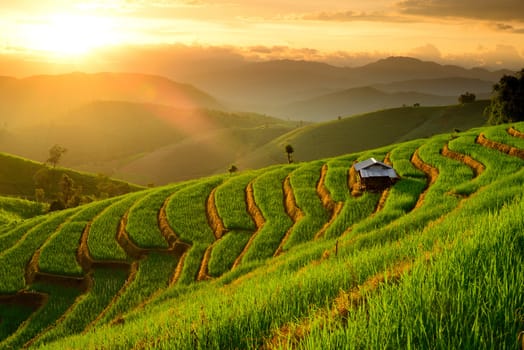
[350, 32]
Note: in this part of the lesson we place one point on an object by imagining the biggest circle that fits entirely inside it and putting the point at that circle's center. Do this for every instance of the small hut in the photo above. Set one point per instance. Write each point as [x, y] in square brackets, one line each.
[375, 175]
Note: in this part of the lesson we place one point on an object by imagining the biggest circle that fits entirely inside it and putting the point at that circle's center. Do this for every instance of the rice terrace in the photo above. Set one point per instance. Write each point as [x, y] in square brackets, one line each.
[269, 175]
[284, 257]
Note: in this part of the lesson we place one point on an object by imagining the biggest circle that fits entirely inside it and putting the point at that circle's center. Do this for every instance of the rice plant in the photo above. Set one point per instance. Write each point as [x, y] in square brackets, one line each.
[13, 261]
[231, 202]
[186, 211]
[59, 299]
[16, 232]
[87, 307]
[303, 182]
[153, 274]
[59, 254]
[226, 251]
[142, 222]
[12, 317]
[102, 241]
[499, 134]
[19, 209]
[269, 197]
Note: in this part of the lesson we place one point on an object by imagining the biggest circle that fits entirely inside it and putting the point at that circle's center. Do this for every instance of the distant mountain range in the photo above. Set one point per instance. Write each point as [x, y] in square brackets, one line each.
[440, 86]
[357, 101]
[275, 87]
[147, 128]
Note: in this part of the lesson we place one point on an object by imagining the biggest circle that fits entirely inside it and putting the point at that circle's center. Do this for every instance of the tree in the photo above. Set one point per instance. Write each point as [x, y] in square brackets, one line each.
[56, 205]
[289, 151]
[43, 178]
[67, 188]
[39, 195]
[70, 195]
[55, 153]
[467, 97]
[507, 101]
[232, 169]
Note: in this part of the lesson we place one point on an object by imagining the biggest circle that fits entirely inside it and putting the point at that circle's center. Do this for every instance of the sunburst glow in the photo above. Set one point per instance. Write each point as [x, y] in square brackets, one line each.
[69, 35]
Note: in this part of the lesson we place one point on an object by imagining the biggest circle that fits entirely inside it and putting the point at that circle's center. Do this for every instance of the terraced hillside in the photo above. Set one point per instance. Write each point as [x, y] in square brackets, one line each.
[292, 256]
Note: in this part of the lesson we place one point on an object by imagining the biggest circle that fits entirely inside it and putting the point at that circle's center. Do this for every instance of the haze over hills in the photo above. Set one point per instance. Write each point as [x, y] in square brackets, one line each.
[269, 87]
[112, 137]
[205, 174]
[356, 101]
[440, 86]
[40, 98]
[150, 129]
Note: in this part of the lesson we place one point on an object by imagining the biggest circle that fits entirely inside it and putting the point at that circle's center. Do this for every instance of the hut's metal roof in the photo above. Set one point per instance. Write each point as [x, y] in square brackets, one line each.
[373, 168]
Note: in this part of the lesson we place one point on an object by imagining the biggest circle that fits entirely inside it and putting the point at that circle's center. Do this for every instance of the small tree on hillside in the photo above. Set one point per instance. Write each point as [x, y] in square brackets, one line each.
[67, 188]
[55, 153]
[40, 195]
[467, 97]
[507, 103]
[289, 151]
[43, 178]
[71, 195]
[232, 169]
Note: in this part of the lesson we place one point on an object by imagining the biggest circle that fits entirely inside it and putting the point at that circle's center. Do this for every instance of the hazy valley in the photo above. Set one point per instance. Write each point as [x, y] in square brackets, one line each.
[150, 129]
[224, 210]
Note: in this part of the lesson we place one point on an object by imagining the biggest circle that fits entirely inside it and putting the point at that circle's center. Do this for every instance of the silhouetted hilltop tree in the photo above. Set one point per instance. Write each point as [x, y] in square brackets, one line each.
[507, 102]
[467, 97]
[289, 151]
[55, 153]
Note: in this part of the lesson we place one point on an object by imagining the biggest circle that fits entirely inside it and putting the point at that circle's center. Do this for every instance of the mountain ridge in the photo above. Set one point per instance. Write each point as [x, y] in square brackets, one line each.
[265, 86]
[49, 96]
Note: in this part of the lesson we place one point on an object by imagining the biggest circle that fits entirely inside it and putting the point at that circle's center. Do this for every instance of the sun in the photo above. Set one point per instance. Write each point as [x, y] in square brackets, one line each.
[69, 35]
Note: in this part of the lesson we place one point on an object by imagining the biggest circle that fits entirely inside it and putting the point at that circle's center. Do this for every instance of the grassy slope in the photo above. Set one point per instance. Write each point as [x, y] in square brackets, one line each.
[366, 131]
[16, 177]
[15, 209]
[145, 143]
[206, 153]
[413, 281]
[357, 101]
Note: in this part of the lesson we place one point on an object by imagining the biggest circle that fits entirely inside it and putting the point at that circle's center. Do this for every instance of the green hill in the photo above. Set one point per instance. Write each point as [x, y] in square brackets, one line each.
[18, 177]
[357, 101]
[146, 143]
[366, 131]
[12, 210]
[286, 256]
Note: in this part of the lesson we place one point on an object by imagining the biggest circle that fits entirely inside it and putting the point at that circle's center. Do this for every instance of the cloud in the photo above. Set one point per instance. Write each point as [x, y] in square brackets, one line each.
[508, 28]
[426, 52]
[351, 16]
[165, 3]
[497, 10]
[182, 62]
[501, 56]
